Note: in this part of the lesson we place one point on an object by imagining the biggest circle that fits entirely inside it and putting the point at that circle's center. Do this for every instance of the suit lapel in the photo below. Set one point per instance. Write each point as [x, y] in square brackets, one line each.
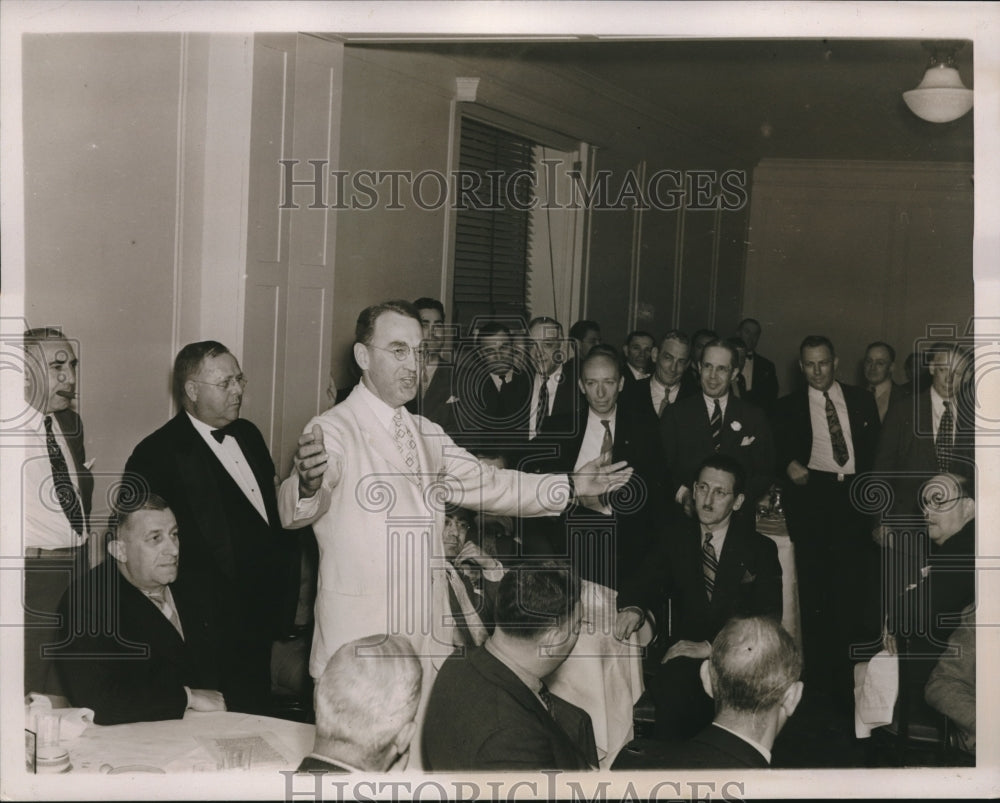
[199, 470]
[260, 465]
[146, 623]
[381, 442]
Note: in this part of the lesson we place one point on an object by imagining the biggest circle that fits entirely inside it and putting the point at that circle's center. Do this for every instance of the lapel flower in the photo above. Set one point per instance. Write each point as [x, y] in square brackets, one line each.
[736, 426]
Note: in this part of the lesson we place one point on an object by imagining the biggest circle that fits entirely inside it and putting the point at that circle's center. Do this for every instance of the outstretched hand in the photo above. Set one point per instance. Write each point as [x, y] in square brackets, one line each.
[597, 477]
[311, 462]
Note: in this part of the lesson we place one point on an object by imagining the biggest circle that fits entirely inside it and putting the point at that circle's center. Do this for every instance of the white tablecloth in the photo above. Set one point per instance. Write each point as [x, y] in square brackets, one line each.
[774, 527]
[173, 746]
[602, 675]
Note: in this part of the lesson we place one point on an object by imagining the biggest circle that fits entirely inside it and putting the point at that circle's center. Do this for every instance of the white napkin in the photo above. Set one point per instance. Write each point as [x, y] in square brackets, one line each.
[74, 720]
[876, 686]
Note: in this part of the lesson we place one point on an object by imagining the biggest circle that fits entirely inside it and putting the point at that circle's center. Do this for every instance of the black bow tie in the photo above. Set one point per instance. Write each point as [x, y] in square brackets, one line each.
[228, 429]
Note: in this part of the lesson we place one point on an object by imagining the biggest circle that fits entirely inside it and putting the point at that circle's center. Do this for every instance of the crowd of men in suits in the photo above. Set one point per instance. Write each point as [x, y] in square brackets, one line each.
[637, 468]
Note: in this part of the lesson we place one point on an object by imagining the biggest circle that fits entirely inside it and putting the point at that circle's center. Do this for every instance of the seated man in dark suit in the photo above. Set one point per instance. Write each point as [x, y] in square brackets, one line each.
[753, 676]
[366, 701]
[490, 709]
[719, 567]
[137, 649]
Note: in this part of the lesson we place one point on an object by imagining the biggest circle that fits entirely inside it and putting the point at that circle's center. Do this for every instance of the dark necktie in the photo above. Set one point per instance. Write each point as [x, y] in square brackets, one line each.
[220, 434]
[709, 565]
[543, 404]
[664, 402]
[715, 425]
[65, 492]
[942, 446]
[607, 443]
[546, 697]
[837, 440]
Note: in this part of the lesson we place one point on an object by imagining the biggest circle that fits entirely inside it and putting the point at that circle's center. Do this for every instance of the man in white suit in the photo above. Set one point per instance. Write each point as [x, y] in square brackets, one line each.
[373, 480]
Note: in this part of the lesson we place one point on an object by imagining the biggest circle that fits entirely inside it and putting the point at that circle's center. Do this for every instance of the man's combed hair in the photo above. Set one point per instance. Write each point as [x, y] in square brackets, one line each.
[723, 343]
[882, 344]
[675, 334]
[753, 663]
[603, 354]
[33, 337]
[533, 599]
[816, 341]
[730, 465]
[365, 328]
[425, 302]
[491, 328]
[189, 360]
[131, 499]
[368, 692]
[637, 333]
[579, 329]
[548, 323]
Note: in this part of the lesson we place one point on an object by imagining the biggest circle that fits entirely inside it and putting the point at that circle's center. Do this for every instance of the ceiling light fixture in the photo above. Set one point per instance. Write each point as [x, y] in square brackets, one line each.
[941, 97]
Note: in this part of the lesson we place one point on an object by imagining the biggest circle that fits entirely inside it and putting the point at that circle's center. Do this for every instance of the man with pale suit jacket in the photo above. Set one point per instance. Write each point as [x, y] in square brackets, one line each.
[214, 470]
[717, 422]
[826, 434]
[368, 476]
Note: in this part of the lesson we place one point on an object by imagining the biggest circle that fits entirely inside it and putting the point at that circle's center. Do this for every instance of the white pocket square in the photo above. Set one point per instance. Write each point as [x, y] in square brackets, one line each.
[748, 440]
[452, 400]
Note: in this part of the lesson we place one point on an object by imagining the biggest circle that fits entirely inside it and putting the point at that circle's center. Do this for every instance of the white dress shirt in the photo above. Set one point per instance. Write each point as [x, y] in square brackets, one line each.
[234, 462]
[718, 536]
[821, 457]
[593, 437]
[45, 522]
[635, 373]
[747, 371]
[657, 390]
[710, 405]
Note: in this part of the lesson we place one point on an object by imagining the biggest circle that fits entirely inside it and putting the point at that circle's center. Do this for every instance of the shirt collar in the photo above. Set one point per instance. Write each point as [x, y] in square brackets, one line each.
[205, 430]
[383, 412]
[833, 390]
[937, 401]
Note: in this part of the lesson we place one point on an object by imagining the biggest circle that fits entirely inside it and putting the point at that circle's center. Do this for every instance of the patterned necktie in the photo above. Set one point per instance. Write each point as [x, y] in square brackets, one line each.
[942, 446]
[546, 696]
[607, 443]
[709, 565]
[715, 425]
[159, 598]
[543, 404]
[837, 440]
[65, 492]
[406, 444]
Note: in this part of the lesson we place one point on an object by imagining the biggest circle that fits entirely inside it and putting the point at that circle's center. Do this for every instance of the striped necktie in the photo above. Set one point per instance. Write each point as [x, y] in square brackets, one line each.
[715, 425]
[942, 446]
[709, 565]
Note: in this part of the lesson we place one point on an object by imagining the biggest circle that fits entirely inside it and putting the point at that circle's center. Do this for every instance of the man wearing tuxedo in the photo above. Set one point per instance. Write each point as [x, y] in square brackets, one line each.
[716, 422]
[490, 709]
[826, 434]
[670, 381]
[760, 378]
[56, 497]
[718, 567]
[753, 678]
[148, 651]
[366, 701]
[215, 471]
[879, 360]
